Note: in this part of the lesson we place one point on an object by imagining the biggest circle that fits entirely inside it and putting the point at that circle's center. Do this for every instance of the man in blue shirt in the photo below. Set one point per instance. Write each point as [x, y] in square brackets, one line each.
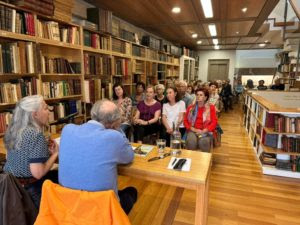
[89, 154]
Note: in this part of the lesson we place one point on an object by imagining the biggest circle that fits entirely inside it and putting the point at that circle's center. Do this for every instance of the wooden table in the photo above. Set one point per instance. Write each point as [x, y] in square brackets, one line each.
[196, 179]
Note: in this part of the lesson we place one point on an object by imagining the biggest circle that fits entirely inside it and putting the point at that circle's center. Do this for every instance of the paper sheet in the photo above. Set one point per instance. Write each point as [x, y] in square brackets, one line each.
[186, 166]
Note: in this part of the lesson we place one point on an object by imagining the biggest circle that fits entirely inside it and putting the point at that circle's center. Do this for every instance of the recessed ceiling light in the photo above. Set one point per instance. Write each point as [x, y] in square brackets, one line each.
[237, 32]
[244, 9]
[212, 29]
[215, 41]
[194, 35]
[262, 45]
[217, 47]
[199, 42]
[266, 41]
[207, 8]
[176, 10]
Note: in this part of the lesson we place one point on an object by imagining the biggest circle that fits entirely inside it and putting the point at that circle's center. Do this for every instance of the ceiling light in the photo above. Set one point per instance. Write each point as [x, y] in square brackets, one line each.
[262, 45]
[212, 29]
[215, 41]
[199, 42]
[237, 32]
[217, 47]
[207, 8]
[176, 10]
[194, 35]
[244, 9]
[266, 41]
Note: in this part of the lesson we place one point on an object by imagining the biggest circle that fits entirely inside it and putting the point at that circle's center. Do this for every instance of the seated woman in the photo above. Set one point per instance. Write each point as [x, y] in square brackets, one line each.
[214, 98]
[139, 93]
[200, 121]
[173, 112]
[29, 155]
[124, 104]
[147, 116]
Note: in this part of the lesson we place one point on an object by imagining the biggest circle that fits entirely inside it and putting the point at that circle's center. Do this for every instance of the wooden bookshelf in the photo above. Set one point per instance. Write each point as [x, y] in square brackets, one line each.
[257, 102]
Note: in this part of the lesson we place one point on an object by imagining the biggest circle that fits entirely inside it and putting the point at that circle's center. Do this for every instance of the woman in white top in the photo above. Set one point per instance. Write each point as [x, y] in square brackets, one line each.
[173, 112]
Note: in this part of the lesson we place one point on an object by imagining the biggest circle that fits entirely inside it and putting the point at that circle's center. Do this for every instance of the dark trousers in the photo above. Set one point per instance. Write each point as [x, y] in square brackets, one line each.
[35, 189]
[141, 131]
[128, 197]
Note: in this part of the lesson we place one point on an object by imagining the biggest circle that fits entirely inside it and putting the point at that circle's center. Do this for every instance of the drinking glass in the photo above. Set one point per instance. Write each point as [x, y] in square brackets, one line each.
[161, 145]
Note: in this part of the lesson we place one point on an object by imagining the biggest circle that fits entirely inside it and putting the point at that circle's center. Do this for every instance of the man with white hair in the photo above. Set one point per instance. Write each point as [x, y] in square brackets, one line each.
[184, 96]
[89, 154]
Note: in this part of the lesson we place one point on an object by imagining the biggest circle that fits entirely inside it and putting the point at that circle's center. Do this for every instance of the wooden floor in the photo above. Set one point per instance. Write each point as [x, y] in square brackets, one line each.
[239, 193]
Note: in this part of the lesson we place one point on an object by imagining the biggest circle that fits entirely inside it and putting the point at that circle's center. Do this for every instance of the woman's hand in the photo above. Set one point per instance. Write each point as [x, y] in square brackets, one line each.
[170, 131]
[53, 147]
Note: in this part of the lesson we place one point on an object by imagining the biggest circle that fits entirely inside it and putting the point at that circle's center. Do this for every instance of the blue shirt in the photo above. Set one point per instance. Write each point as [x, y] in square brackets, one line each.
[89, 155]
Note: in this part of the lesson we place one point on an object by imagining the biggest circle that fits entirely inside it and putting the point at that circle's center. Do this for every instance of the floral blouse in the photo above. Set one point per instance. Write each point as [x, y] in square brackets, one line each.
[125, 107]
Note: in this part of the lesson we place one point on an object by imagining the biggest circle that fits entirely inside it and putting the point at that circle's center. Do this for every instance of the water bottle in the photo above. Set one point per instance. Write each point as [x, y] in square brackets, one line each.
[175, 141]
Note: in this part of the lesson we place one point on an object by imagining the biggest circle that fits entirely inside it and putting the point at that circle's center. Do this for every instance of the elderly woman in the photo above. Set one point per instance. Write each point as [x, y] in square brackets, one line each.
[160, 96]
[200, 122]
[125, 105]
[29, 155]
[147, 116]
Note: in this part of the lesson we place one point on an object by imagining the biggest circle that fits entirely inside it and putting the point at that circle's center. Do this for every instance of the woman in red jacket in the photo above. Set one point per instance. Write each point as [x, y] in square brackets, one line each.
[200, 122]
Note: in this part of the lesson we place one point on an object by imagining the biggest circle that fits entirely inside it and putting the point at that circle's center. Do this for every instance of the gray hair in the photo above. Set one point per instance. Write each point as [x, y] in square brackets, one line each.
[160, 86]
[22, 118]
[182, 82]
[105, 112]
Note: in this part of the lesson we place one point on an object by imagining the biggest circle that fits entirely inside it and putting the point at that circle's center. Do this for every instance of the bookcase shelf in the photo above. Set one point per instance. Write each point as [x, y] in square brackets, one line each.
[274, 112]
[95, 50]
[63, 98]
[58, 43]
[17, 36]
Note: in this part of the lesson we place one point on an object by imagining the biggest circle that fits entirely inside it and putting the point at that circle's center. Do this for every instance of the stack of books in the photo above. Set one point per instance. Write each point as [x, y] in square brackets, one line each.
[268, 159]
[63, 10]
[44, 7]
[120, 46]
[101, 17]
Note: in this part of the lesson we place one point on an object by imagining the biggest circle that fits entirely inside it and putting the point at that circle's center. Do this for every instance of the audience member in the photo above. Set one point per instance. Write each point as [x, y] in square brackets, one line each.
[227, 95]
[261, 85]
[125, 105]
[89, 154]
[160, 95]
[183, 95]
[147, 116]
[29, 155]
[277, 85]
[214, 98]
[249, 84]
[200, 121]
[139, 93]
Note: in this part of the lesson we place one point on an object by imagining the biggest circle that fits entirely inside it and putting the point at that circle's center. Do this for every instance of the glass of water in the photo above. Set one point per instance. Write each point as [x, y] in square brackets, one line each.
[161, 145]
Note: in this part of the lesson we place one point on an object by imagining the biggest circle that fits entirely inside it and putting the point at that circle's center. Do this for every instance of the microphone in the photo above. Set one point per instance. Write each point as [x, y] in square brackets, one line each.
[67, 119]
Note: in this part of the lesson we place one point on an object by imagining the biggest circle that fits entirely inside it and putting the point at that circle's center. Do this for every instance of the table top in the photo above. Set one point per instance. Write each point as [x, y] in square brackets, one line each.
[157, 170]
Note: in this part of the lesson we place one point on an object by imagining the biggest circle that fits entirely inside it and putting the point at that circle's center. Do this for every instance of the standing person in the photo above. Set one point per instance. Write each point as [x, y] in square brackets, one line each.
[200, 122]
[160, 94]
[147, 116]
[183, 95]
[29, 155]
[90, 153]
[214, 98]
[227, 95]
[238, 90]
[173, 112]
[125, 105]
[139, 93]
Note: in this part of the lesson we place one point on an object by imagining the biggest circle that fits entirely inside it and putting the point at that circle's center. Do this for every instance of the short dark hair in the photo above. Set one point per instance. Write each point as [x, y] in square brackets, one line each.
[141, 83]
[177, 98]
[115, 97]
[205, 91]
[214, 83]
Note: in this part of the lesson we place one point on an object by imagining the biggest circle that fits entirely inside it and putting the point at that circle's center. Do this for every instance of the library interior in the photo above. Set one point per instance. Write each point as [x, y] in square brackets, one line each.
[150, 112]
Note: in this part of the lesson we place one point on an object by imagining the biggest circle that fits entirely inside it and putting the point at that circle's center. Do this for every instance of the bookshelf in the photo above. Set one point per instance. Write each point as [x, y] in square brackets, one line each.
[273, 126]
[70, 65]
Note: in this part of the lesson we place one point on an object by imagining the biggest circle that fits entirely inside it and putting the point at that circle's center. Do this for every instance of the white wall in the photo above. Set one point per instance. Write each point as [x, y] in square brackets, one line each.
[216, 54]
[264, 58]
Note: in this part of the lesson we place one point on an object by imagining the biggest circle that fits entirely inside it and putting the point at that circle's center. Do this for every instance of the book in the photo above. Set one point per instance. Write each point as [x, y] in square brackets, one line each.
[142, 150]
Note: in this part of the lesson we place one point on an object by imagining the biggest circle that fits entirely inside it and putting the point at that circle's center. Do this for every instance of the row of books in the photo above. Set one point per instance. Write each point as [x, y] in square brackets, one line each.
[17, 89]
[63, 10]
[95, 40]
[97, 64]
[63, 109]
[52, 30]
[290, 144]
[101, 17]
[14, 21]
[44, 7]
[282, 123]
[151, 68]
[138, 67]
[59, 65]
[92, 90]
[17, 57]
[151, 42]
[59, 89]
[122, 67]
[138, 51]
[120, 46]
[152, 54]
[5, 119]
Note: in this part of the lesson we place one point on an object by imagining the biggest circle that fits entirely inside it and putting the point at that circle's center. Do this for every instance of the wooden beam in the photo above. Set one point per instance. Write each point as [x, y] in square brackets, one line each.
[263, 15]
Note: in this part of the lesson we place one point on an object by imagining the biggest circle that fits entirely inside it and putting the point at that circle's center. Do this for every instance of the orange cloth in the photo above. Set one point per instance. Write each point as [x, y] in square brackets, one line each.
[64, 206]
